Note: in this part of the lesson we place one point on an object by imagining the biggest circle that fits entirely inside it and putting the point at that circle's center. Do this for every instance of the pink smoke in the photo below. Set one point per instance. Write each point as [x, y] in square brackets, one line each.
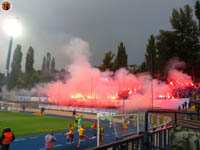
[90, 87]
[179, 79]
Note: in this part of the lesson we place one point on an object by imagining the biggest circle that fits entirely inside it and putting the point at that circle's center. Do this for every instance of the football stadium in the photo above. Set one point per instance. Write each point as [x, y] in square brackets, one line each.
[100, 75]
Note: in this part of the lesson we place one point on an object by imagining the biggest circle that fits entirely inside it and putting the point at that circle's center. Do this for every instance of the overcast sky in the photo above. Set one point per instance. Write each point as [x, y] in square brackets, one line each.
[48, 25]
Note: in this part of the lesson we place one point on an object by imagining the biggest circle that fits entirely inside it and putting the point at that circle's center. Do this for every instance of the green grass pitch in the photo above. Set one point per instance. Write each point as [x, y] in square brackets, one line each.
[23, 124]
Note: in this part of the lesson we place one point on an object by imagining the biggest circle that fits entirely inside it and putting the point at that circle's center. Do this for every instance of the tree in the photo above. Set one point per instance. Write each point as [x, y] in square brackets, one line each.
[48, 62]
[53, 64]
[43, 64]
[142, 67]
[121, 58]
[182, 41]
[187, 32]
[151, 55]
[35, 79]
[1, 79]
[21, 80]
[63, 74]
[15, 67]
[48, 67]
[167, 48]
[43, 68]
[29, 64]
[197, 11]
[108, 61]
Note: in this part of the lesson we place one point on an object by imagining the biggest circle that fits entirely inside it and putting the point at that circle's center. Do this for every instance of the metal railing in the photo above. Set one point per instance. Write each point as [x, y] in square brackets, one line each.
[156, 139]
[177, 118]
[135, 142]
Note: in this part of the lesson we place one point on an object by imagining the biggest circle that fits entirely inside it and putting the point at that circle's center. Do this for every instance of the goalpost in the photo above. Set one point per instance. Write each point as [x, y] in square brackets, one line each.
[120, 126]
[124, 125]
[8, 106]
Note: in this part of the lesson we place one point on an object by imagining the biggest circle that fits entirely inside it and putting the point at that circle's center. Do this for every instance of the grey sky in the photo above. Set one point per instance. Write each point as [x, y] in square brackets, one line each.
[48, 25]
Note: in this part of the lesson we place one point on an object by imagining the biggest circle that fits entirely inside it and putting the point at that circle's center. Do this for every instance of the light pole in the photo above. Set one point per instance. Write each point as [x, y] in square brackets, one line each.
[91, 90]
[152, 76]
[123, 93]
[12, 27]
[8, 62]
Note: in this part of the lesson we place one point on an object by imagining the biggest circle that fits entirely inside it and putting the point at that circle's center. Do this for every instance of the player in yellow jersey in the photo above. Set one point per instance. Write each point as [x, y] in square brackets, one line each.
[101, 132]
[81, 132]
[125, 126]
[76, 121]
[70, 134]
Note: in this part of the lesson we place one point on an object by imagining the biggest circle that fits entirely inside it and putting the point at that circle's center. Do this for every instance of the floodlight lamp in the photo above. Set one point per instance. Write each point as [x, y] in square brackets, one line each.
[12, 27]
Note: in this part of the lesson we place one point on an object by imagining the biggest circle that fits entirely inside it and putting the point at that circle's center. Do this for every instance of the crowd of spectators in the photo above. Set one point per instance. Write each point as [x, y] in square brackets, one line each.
[193, 104]
[186, 92]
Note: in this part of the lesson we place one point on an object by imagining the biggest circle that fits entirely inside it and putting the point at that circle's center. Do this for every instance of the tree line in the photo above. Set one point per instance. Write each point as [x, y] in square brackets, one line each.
[30, 77]
[182, 42]
[112, 62]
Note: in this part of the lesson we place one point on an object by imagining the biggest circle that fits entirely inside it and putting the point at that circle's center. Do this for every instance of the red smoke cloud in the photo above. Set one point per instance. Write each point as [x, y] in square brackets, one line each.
[179, 79]
[89, 87]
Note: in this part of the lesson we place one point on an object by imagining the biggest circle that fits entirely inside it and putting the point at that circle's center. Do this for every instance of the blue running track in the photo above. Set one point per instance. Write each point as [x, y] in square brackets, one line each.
[36, 142]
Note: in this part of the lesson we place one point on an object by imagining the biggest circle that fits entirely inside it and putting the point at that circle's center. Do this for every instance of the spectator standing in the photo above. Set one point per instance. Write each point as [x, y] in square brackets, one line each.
[198, 111]
[74, 112]
[42, 110]
[183, 107]
[196, 97]
[189, 108]
[50, 139]
[185, 103]
[189, 105]
[23, 108]
[6, 139]
[179, 108]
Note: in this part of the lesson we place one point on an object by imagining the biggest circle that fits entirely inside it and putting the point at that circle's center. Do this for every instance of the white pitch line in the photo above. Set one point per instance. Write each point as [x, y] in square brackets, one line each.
[54, 146]
[70, 143]
[58, 145]
[19, 140]
[35, 137]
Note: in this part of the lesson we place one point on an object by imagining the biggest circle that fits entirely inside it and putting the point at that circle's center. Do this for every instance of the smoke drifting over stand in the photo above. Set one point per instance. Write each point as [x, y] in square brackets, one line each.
[88, 86]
